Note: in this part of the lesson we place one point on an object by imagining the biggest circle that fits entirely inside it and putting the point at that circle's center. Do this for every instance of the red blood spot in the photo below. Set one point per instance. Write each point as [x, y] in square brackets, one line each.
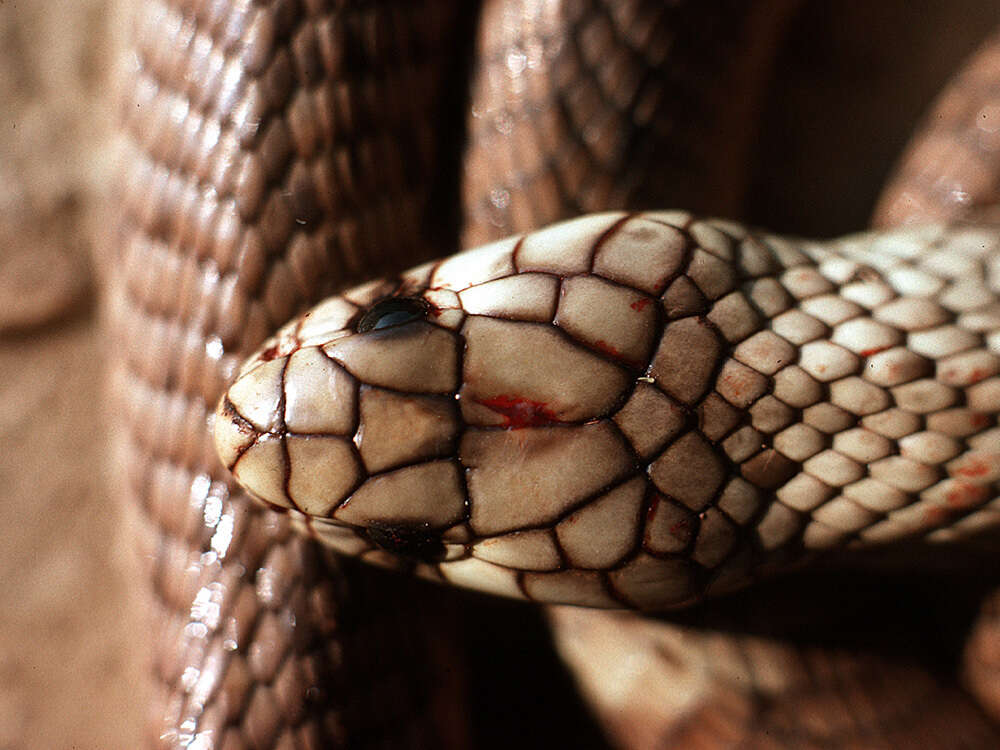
[605, 347]
[972, 468]
[679, 528]
[977, 374]
[270, 353]
[652, 509]
[873, 350]
[978, 419]
[640, 304]
[965, 494]
[520, 412]
[611, 351]
[735, 384]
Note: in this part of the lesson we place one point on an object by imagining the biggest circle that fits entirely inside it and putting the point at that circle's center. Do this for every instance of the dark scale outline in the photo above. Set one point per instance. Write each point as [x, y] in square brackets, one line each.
[636, 462]
[504, 316]
[746, 421]
[446, 399]
[597, 353]
[229, 121]
[960, 392]
[162, 559]
[745, 543]
[367, 476]
[639, 545]
[960, 395]
[692, 409]
[401, 331]
[630, 552]
[645, 73]
[562, 515]
[142, 375]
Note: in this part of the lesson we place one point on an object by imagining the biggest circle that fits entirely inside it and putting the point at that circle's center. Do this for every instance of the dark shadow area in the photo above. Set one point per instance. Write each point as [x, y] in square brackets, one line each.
[521, 695]
[851, 84]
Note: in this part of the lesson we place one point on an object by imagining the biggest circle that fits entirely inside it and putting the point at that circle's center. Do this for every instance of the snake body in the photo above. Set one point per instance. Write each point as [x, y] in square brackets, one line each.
[636, 410]
[256, 637]
[282, 150]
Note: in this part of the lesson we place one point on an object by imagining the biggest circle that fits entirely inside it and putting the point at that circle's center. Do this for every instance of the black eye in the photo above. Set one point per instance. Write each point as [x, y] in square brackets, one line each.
[392, 311]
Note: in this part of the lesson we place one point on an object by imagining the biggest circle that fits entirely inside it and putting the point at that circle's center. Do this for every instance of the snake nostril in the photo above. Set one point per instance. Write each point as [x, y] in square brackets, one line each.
[415, 541]
[392, 311]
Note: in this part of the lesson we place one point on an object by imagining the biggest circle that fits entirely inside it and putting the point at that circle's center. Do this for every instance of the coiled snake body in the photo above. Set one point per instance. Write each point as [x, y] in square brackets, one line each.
[630, 409]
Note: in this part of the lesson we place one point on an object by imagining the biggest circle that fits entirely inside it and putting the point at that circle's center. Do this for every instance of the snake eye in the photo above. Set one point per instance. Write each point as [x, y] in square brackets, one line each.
[392, 311]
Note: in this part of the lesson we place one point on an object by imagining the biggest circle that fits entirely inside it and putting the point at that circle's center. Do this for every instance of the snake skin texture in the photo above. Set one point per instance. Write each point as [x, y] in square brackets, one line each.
[637, 410]
[251, 190]
[951, 172]
[587, 105]
[216, 256]
[909, 701]
[627, 715]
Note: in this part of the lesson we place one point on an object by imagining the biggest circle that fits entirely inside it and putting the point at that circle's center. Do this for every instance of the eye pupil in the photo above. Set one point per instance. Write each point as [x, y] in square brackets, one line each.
[392, 311]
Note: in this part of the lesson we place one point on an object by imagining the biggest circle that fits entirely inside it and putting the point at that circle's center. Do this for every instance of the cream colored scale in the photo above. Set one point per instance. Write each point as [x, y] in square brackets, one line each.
[636, 410]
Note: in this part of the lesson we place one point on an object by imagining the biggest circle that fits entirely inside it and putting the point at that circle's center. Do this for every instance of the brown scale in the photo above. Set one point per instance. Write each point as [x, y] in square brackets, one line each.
[276, 151]
[587, 105]
[865, 698]
[759, 469]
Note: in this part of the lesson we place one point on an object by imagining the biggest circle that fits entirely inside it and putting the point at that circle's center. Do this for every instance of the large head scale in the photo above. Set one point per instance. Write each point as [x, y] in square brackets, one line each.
[469, 416]
[632, 410]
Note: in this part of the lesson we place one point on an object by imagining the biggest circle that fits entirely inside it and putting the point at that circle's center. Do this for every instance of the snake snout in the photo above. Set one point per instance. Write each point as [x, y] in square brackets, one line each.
[357, 430]
[284, 429]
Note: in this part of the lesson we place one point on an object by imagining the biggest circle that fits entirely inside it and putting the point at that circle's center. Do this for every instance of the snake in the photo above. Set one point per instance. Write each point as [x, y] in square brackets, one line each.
[637, 408]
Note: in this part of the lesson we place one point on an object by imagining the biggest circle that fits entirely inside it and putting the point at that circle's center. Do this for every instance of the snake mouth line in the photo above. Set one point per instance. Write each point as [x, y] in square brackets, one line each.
[415, 541]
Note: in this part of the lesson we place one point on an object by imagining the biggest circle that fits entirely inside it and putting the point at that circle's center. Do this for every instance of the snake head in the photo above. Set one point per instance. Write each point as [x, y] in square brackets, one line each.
[468, 417]
[629, 410]
[349, 413]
